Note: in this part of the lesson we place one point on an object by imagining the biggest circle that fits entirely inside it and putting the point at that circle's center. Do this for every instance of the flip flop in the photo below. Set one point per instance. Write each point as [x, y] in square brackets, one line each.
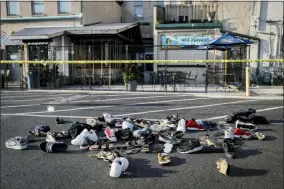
[51, 147]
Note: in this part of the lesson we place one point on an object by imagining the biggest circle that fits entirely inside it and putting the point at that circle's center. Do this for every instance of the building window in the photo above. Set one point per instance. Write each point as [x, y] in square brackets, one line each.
[38, 7]
[64, 6]
[13, 8]
[139, 9]
[160, 3]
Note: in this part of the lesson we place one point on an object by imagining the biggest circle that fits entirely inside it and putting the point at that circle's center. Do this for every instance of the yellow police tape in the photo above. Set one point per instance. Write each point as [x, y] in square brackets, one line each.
[137, 61]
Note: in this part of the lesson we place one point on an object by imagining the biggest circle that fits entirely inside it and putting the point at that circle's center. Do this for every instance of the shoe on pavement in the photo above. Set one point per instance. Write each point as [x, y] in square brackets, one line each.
[193, 146]
[110, 134]
[80, 139]
[229, 133]
[241, 134]
[260, 136]
[59, 120]
[222, 166]
[192, 125]
[118, 167]
[16, 143]
[228, 148]
[181, 125]
[164, 159]
[246, 126]
[51, 147]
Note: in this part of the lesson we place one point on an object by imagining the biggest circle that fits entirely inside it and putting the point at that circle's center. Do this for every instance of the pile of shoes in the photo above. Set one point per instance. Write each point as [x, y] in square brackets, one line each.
[115, 138]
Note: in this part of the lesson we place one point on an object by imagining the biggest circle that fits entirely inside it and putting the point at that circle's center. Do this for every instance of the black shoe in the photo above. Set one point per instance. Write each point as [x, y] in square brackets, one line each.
[194, 146]
[229, 149]
[59, 120]
[167, 138]
[126, 134]
[51, 147]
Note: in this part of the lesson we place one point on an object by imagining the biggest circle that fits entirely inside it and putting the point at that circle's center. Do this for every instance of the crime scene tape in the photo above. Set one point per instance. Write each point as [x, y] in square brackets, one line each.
[136, 61]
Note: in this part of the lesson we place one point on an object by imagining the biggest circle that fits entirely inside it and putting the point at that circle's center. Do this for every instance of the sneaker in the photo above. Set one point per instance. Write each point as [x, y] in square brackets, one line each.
[126, 134]
[222, 166]
[17, 143]
[80, 139]
[85, 145]
[59, 120]
[192, 125]
[241, 134]
[127, 125]
[110, 134]
[181, 125]
[245, 126]
[194, 146]
[167, 138]
[228, 148]
[163, 159]
[118, 167]
[108, 117]
[51, 147]
[229, 133]
[49, 137]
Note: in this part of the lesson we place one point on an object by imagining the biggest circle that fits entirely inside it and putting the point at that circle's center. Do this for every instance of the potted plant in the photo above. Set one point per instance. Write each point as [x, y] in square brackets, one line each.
[130, 77]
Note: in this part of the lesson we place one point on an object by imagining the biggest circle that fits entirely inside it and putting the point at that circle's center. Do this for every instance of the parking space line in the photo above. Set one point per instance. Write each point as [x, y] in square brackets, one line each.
[26, 100]
[109, 106]
[185, 108]
[126, 98]
[261, 110]
[21, 96]
[102, 100]
[16, 106]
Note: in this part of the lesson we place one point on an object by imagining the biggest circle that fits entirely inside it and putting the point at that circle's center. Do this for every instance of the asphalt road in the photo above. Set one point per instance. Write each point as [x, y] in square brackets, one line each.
[258, 165]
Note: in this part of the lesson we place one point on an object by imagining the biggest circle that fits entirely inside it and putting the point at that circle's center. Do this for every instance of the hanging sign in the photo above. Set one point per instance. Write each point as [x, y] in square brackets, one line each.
[177, 41]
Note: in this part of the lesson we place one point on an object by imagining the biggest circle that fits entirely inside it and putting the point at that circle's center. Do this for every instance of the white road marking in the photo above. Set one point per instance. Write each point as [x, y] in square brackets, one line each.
[261, 110]
[25, 105]
[29, 100]
[118, 116]
[102, 100]
[21, 96]
[185, 108]
[127, 98]
[97, 107]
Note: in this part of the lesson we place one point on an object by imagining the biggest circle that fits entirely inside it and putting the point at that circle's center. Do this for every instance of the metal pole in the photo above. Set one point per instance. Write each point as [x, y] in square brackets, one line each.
[166, 68]
[206, 70]
[247, 78]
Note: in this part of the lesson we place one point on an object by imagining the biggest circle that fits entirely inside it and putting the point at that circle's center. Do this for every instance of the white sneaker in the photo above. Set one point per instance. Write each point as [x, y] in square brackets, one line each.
[229, 133]
[50, 138]
[80, 139]
[181, 125]
[118, 167]
[92, 135]
[108, 117]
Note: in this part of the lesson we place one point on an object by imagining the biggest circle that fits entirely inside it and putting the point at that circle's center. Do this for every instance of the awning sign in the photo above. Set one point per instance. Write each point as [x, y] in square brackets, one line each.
[174, 41]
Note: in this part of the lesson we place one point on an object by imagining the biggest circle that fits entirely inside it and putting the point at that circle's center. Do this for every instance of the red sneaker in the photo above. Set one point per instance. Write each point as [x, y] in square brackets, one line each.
[193, 126]
[240, 133]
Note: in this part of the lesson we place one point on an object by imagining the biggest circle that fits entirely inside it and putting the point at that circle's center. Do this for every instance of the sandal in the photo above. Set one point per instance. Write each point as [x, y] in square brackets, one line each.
[260, 136]
[163, 159]
[100, 146]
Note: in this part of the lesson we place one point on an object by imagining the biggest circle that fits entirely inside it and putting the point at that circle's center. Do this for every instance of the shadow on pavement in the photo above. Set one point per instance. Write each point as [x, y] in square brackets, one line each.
[242, 172]
[33, 147]
[176, 161]
[269, 138]
[244, 153]
[141, 168]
